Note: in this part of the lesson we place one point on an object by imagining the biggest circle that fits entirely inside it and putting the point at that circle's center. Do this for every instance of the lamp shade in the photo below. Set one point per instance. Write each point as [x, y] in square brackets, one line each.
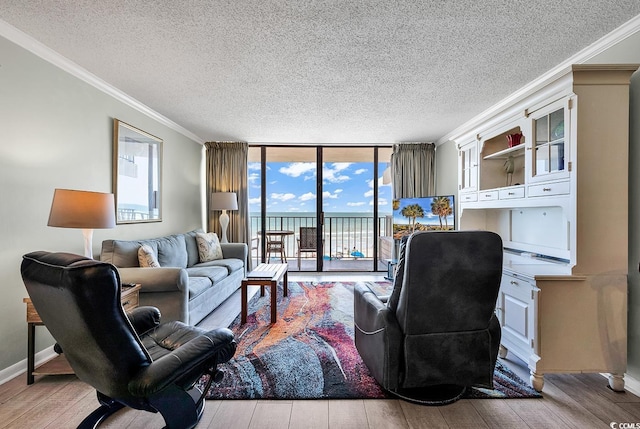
[224, 201]
[82, 209]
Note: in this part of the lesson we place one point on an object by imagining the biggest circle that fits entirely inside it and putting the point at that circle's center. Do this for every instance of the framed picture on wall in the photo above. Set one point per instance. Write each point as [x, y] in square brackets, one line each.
[137, 174]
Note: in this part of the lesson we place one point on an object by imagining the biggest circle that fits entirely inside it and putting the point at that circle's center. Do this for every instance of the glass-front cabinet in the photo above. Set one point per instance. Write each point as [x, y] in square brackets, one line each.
[549, 147]
[468, 171]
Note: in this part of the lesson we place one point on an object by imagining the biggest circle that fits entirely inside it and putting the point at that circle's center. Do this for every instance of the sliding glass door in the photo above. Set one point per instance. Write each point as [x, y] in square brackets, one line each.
[331, 218]
[355, 200]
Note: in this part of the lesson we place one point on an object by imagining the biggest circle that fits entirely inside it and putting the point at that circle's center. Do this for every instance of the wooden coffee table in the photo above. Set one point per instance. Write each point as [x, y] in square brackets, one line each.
[264, 275]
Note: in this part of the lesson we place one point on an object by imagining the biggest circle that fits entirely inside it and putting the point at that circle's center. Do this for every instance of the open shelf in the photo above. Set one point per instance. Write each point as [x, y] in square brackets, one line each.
[504, 154]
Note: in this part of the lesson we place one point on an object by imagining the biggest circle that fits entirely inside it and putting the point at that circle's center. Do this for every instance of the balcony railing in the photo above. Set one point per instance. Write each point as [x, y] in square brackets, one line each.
[344, 236]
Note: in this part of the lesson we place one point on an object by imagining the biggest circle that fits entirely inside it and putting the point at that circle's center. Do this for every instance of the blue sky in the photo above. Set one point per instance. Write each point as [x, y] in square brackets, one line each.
[291, 187]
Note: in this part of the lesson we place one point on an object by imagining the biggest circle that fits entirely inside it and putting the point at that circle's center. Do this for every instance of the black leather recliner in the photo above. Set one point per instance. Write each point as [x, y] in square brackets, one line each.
[131, 360]
[436, 334]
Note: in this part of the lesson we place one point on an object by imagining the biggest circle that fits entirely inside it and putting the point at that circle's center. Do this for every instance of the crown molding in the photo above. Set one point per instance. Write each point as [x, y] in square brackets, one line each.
[32, 45]
[616, 36]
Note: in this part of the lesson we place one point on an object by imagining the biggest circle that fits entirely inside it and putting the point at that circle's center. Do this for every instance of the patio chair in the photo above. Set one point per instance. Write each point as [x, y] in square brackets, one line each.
[307, 241]
[275, 245]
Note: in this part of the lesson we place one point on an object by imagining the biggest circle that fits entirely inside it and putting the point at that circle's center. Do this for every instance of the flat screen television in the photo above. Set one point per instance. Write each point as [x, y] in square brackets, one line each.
[435, 213]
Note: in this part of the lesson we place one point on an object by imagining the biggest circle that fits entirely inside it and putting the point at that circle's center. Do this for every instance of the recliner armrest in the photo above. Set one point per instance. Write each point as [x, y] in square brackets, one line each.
[370, 312]
[377, 336]
[144, 318]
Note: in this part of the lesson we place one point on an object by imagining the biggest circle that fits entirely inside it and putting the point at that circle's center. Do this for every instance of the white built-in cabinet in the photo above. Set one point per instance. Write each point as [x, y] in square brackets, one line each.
[559, 201]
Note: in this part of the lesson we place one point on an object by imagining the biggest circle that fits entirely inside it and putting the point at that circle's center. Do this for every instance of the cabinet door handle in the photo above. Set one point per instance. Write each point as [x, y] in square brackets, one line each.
[511, 193]
[124, 304]
[546, 189]
[487, 195]
[513, 282]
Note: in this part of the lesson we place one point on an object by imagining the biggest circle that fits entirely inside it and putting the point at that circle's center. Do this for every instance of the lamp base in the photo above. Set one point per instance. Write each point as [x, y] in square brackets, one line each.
[224, 224]
[87, 234]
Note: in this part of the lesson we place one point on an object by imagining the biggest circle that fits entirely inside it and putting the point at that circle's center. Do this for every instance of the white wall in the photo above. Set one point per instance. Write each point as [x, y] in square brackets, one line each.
[447, 169]
[56, 132]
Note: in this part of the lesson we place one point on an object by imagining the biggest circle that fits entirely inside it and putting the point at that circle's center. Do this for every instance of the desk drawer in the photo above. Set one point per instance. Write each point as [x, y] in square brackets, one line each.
[470, 197]
[487, 195]
[547, 189]
[507, 194]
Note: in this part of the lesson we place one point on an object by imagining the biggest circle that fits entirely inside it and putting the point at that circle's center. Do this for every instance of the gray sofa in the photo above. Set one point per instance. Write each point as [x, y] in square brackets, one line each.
[182, 288]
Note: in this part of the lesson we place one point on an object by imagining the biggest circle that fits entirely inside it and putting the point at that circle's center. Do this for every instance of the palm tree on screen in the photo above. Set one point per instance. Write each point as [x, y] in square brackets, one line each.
[441, 207]
[412, 211]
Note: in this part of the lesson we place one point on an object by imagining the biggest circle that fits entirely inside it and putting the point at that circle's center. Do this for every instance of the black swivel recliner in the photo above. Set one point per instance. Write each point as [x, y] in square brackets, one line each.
[131, 360]
[437, 333]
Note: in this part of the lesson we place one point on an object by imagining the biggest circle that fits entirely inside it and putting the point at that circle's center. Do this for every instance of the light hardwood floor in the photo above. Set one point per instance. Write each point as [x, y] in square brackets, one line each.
[569, 401]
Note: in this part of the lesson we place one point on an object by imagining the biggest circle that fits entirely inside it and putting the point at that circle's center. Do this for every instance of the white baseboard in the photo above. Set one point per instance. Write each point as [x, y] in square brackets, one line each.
[632, 384]
[21, 367]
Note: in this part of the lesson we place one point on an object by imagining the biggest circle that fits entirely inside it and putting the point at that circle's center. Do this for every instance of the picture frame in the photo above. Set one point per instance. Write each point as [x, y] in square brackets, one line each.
[137, 174]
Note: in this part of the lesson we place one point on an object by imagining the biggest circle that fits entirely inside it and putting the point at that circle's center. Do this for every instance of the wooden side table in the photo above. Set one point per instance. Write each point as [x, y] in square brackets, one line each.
[264, 275]
[130, 297]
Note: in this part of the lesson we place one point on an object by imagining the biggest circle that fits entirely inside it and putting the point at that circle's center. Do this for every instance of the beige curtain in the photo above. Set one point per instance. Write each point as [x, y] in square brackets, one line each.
[226, 171]
[413, 170]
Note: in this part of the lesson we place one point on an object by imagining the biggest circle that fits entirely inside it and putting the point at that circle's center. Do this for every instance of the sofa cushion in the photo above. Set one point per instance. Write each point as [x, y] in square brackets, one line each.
[147, 257]
[192, 247]
[172, 251]
[125, 253]
[208, 246]
[215, 274]
[198, 285]
[231, 264]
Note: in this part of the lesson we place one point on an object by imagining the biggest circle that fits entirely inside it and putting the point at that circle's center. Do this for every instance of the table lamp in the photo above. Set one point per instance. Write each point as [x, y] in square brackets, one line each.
[224, 201]
[82, 209]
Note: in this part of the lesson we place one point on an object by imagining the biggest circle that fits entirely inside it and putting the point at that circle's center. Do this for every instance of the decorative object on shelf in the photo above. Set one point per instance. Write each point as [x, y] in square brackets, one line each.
[514, 139]
[509, 168]
[82, 209]
[137, 174]
[558, 131]
[224, 201]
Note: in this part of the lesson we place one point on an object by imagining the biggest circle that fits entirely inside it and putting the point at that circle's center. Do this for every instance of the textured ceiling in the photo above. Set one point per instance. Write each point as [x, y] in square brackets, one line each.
[377, 71]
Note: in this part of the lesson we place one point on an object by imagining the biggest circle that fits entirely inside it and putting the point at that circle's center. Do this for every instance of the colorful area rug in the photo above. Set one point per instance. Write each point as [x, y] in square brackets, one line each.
[309, 352]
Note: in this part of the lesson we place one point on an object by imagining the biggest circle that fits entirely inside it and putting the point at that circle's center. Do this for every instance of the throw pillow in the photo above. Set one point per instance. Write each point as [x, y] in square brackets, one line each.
[147, 257]
[208, 246]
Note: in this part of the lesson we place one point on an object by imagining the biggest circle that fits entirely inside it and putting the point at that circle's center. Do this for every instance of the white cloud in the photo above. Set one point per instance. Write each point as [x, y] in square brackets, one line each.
[358, 204]
[369, 193]
[360, 171]
[282, 197]
[308, 196]
[253, 177]
[255, 200]
[339, 166]
[381, 202]
[327, 194]
[255, 166]
[297, 169]
[331, 172]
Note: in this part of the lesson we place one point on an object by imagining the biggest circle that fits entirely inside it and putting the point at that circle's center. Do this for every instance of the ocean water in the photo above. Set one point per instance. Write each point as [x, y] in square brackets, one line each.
[345, 233]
